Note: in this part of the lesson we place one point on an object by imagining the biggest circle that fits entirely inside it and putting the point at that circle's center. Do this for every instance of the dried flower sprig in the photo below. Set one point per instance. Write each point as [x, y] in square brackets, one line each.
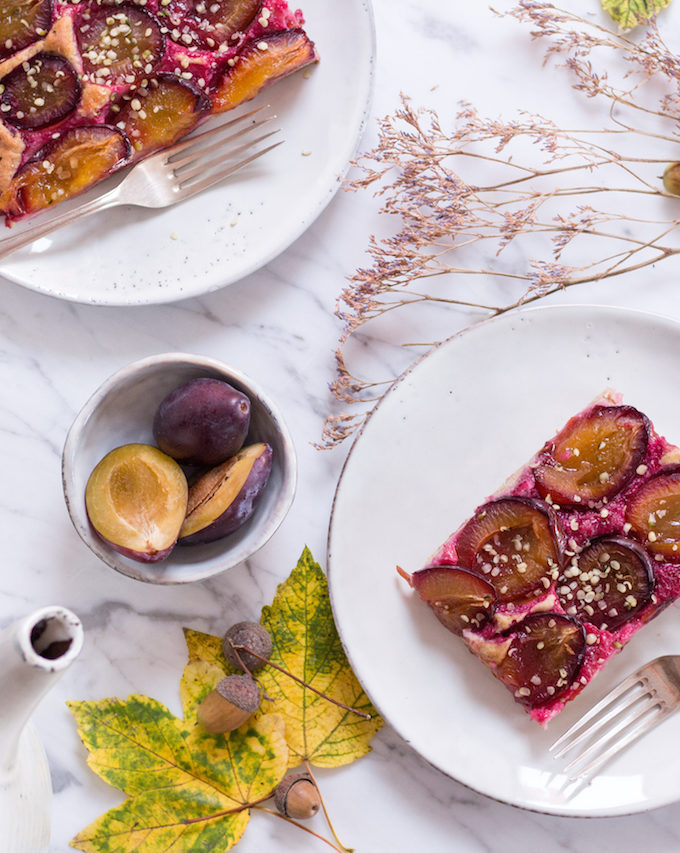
[481, 190]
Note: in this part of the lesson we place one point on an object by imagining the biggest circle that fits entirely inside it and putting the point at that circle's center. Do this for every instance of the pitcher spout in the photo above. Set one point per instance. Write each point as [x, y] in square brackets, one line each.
[34, 653]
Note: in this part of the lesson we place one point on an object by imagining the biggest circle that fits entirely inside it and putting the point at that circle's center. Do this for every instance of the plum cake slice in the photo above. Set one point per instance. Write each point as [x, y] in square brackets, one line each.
[90, 86]
[555, 572]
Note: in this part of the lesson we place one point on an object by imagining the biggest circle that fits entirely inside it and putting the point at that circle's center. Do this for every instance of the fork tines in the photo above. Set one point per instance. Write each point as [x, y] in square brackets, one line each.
[190, 160]
[626, 713]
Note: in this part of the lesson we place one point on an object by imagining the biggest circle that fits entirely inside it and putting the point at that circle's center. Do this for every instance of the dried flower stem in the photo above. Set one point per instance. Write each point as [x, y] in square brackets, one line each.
[429, 180]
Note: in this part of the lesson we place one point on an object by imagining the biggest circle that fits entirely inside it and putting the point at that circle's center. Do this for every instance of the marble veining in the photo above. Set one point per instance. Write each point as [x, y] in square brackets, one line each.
[278, 326]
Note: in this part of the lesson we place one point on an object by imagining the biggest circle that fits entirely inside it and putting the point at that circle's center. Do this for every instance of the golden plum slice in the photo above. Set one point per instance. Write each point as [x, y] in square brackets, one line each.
[74, 162]
[544, 658]
[458, 598]
[608, 583]
[225, 498]
[21, 23]
[208, 23]
[119, 43]
[260, 63]
[160, 112]
[654, 514]
[41, 91]
[513, 543]
[227, 17]
[136, 500]
[593, 457]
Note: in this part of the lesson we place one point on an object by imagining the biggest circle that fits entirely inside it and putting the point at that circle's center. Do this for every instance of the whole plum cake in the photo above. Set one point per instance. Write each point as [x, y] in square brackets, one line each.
[88, 87]
[553, 574]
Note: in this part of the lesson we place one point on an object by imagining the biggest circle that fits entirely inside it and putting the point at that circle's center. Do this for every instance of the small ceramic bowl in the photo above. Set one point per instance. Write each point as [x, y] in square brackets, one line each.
[121, 411]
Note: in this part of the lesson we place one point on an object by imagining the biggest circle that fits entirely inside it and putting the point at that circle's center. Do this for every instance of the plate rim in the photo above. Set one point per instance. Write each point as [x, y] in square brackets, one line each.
[555, 308]
[301, 226]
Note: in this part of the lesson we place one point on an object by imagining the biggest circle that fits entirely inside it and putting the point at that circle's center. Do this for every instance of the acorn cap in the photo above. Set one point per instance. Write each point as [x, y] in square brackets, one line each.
[296, 796]
[230, 704]
[252, 635]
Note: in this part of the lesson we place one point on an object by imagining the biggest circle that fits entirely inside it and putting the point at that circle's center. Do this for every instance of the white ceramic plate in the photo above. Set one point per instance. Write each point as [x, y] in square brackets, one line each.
[445, 436]
[131, 256]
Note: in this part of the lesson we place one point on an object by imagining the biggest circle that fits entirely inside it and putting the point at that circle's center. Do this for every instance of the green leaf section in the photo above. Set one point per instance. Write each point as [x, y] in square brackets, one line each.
[181, 781]
[206, 667]
[306, 643]
[630, 13]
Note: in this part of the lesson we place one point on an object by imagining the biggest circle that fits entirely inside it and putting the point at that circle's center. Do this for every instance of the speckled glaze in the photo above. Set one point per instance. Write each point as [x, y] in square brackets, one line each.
[121, 411]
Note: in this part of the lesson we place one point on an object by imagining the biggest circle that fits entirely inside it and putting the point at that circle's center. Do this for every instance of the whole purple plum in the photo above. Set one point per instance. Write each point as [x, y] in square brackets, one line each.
[203, 422]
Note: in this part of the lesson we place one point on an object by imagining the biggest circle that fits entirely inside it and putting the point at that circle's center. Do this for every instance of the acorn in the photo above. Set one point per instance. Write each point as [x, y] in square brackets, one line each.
[251, 635]
[296, 796]
[671, 179]
[230, 704]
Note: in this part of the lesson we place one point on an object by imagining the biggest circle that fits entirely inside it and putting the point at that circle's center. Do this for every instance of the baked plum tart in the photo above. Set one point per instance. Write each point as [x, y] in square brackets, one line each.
[91, 86]
[553, 574]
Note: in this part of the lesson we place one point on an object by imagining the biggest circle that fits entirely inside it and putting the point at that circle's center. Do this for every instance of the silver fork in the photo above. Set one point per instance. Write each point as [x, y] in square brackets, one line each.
[190, 166]
[633, 708]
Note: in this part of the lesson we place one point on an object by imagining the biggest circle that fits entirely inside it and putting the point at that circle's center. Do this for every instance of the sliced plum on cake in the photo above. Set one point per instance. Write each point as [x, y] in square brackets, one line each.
[608, 583]
[543, 658]
[22, 22]
[459, 599]
[260, 63]
[75, 161]
[210, 23]
[514, 544]
[160, 112]
[654, 514]
[594, 457]
[119, 44]
[40, 92]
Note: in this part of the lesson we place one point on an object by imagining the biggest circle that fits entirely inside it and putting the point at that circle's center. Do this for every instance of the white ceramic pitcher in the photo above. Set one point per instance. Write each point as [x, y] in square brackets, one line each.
[34, 652]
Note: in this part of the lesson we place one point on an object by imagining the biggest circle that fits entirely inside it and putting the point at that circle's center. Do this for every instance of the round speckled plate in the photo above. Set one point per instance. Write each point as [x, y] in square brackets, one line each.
[134, 256]
[446, 435]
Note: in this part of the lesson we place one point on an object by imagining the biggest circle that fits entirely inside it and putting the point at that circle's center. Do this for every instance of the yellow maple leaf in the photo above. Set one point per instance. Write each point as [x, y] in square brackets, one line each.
[187, 790]
[630, 13]
[306, 643]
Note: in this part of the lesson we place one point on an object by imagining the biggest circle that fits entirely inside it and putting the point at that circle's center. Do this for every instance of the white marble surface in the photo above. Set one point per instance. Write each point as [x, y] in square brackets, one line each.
[278, 326]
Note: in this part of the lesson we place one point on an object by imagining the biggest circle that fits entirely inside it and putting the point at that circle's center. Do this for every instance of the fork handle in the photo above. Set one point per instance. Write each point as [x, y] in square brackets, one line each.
[18, 241]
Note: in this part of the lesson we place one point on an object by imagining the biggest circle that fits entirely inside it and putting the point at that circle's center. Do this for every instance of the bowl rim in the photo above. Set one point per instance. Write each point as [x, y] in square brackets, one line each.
[140, 571]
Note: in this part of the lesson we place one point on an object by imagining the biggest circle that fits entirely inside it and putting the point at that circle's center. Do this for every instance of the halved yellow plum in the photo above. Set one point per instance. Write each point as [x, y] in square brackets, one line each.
[21, 23]
[160, 112]
[78, 159]
[136, 500]
[260, 63]
[654, 514]
[514, 544]
[593, 457]
[459, 599]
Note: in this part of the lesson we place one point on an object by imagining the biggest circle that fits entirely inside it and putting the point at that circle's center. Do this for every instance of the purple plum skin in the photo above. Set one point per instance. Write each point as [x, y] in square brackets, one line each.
[240, 510]
[203, 422]
[140, 556]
